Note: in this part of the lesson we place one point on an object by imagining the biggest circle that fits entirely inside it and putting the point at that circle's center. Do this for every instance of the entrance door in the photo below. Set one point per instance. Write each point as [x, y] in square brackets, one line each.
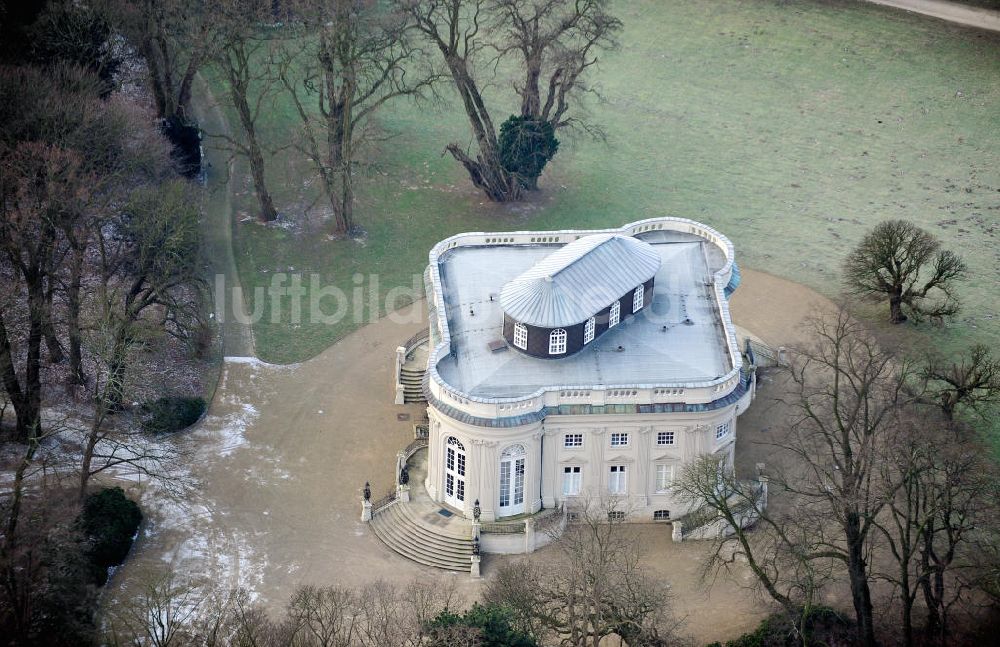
[454, 473]
[512, 481]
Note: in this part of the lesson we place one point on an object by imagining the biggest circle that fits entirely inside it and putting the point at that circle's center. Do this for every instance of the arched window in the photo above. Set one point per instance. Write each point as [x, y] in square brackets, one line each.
[588, 331]
[514, 451]
[615, 315]
[520, 335]
[557, 342]
[512, 462]
[637, 299]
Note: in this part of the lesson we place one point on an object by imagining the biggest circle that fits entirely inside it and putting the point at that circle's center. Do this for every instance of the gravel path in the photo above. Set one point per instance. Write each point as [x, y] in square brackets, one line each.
[220, 170]
[961, 14]
[281, 457]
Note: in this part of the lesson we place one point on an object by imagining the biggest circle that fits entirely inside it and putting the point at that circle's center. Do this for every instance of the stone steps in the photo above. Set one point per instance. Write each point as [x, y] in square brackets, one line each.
[401, 531]
[412, 380]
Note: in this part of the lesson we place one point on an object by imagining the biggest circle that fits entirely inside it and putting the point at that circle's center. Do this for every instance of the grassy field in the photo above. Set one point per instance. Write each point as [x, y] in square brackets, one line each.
[790, 126]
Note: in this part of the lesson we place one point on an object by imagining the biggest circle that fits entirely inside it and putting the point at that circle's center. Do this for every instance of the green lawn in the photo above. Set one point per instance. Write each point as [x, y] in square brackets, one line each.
[790, 126]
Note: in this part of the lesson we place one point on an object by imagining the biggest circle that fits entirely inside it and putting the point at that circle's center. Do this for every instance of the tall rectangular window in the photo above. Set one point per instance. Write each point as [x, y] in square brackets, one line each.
[619, 439]
[664, 477]
[664, 438]
[572, 480]
[573, 440]
[557, 342]
[616, 480]
[637, 297]
[615, 315]
[520, 336]
[505, 483]
[588, 331]
[722, 431]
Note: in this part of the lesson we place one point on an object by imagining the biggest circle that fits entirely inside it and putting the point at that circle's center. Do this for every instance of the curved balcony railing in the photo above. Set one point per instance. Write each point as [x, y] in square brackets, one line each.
[535, 403]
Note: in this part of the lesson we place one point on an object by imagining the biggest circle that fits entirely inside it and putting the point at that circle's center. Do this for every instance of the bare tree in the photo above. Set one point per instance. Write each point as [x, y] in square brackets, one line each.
[150, 267]
[595, 588]
[352, 59]
[242, 56]
[787, 557]
[902, 262]
[36, 181]
[172, 613]
[556, 42]
[114, 441]
[43, 592]
[174, 38]
[846, 396]
[972, 379]
[941, 484]
[161, 613]
[456, 29]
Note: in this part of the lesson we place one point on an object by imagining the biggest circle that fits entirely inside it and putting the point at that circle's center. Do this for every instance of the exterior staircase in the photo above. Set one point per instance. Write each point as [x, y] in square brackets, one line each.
[412, 366]
[401, 528]
[411, 376]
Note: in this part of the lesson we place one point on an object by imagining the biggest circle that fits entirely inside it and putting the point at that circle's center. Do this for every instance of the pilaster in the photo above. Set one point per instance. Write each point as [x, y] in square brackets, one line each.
[549, 469]
[643, 467]
[597, 478]
[533, 474]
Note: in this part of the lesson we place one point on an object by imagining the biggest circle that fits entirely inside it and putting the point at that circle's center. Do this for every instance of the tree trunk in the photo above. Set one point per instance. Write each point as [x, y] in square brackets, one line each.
[12, 386]
[860, 591]
[88, 454]
[486, 171]
[531, 104]
[33, 366]
[77, 375]
[238, 94]
[267, 210]
[896, 315]
[933, 617]
[339, 133]
[56, 354]
[907, 610]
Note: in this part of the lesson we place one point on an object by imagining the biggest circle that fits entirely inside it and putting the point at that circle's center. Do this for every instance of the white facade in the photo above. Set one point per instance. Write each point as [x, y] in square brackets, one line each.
[552, 448]
[516, 455]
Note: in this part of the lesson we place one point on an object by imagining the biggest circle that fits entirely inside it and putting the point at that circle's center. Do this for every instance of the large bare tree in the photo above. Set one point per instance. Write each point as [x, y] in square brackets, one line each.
[151, 274]
[352, 57]
[785, 552]
[592, 589]
[555, 41]
[846, 396]
[175, 38]
[901, 262]
[242, 56]
[939, 483]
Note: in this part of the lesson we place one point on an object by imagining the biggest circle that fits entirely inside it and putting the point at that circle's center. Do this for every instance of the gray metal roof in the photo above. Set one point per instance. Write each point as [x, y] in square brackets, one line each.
[579, 280]
[686, 354]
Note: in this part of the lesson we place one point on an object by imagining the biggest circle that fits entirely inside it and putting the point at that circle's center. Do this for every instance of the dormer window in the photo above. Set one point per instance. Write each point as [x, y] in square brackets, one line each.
[588, 331]
[637, 299]
[557, 342]
[615, 315]
[520, 336]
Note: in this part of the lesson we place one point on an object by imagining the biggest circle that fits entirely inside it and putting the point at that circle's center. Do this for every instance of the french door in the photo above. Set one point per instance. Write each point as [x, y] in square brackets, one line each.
[454, 473]
[512, 481]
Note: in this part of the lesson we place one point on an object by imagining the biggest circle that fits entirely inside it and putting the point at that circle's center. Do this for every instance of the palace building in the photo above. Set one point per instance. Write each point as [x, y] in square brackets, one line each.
[570, 364]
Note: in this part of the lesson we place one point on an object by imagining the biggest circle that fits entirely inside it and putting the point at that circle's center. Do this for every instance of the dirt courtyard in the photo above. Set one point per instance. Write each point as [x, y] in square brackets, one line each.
[282, 456]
